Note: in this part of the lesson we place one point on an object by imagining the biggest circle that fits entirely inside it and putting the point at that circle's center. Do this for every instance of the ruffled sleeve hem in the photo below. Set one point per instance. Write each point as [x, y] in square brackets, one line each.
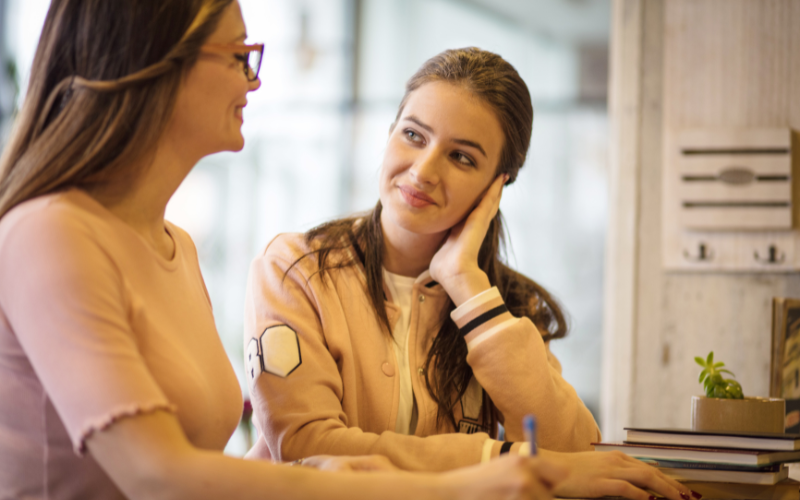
[102, 423]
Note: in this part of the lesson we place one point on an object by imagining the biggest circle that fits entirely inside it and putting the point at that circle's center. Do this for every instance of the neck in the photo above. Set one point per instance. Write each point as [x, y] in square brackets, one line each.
[142, 203]
[406, 253]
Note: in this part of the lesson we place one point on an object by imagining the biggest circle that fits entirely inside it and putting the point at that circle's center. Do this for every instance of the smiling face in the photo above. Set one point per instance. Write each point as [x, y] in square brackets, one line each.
[208, 111]
[442, 154]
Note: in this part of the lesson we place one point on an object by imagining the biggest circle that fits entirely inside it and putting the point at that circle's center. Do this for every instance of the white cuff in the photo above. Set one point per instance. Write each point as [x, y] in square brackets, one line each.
[486, 454]
[482, 298]
[525, 449]
[490, 333]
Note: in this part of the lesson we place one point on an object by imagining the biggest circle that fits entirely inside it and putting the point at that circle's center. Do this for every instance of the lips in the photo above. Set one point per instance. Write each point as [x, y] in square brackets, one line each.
[238, 111]
[415, 197]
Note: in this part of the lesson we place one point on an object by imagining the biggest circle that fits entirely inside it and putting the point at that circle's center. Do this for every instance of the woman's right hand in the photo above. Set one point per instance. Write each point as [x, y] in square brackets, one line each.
[367, 463]
[508, 478]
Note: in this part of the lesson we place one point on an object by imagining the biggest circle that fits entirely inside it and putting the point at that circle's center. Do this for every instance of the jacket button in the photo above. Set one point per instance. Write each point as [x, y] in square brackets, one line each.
[422, 298]
[387, 369]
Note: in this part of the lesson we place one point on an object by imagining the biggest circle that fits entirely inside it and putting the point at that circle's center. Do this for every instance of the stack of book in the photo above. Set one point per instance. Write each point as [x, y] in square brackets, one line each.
[718, 465]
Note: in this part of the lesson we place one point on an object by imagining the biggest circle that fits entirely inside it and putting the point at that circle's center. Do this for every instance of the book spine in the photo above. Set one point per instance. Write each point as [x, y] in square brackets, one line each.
[709, 466]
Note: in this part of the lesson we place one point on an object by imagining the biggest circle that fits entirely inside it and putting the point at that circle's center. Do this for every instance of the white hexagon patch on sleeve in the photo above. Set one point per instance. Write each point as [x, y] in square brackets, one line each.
[252, 361]
[280, 350]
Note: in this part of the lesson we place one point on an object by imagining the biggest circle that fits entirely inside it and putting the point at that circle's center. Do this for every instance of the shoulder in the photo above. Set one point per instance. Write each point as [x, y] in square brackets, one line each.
[296, 248]
[288, 246]
[286, 251]
[290, 253]
[54, 247]
[58, 219]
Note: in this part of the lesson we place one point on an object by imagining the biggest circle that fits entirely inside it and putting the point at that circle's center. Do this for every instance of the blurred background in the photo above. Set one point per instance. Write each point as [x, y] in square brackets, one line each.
[333, 75]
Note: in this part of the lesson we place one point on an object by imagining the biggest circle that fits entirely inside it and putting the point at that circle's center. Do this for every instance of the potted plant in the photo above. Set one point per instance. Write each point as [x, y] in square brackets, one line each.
[725, 408]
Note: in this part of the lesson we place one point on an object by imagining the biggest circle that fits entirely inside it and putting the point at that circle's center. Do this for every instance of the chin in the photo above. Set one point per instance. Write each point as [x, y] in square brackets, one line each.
[416, 223]
[235, 145]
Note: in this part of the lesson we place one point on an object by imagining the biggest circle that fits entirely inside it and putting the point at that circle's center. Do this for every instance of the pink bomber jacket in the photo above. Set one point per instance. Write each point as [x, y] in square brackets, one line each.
[321, 370]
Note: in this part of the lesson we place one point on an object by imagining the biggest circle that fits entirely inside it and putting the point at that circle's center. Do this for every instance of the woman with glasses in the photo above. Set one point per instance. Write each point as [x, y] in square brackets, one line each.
[113, 380]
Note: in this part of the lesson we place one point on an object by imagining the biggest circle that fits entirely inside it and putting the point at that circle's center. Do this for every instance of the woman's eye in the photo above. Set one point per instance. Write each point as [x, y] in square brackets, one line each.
[412, 136]
[463, 159]
[242, 58]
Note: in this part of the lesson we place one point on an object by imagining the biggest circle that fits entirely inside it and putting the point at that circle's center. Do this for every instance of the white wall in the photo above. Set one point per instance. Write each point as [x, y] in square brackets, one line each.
[681, 64]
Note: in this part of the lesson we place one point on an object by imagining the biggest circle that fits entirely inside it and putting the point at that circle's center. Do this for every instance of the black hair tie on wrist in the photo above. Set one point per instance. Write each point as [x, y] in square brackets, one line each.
[506, 447]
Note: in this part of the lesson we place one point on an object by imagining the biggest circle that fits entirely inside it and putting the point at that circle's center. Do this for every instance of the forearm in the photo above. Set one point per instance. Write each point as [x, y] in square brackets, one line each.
[290, 441]
[210, 475]
[149, 458]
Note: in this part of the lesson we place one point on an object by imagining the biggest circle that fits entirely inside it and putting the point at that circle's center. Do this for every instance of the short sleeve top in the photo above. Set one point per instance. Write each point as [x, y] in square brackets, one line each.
[96, 326]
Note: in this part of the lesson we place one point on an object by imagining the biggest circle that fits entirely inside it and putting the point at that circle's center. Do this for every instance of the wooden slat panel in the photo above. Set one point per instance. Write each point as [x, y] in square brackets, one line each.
[713, 165]
[740, 137]
[718, 191]
[729, 63]
[736, 218]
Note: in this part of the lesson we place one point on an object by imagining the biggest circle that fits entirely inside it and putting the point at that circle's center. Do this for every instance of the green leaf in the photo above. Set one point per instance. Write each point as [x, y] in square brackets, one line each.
[714, 385]
[734, 389]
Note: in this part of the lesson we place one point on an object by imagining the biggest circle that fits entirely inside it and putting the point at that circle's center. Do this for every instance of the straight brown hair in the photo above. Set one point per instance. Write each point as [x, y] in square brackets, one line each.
[495, 81]
[102, 90]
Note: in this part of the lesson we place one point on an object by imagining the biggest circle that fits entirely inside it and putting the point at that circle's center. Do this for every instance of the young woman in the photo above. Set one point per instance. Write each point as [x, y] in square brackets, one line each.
[401, 332]
[113, 381]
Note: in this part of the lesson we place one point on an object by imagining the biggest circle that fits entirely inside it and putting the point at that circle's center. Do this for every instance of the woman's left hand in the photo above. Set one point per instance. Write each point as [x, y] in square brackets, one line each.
[595, 474]
[369, 463]
[455, 264]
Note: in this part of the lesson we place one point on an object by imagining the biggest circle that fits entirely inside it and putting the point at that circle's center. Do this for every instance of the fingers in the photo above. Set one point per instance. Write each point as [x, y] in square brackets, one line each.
[549, 472]
[495, 194]
[375, 463]
[652, 481]
[624, 489]
[650, 477]
[490, 203]
[535, 478]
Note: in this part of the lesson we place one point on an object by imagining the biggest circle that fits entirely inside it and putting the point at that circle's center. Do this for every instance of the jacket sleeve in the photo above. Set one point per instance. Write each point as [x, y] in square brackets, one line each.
[297, 398]
[513, 364]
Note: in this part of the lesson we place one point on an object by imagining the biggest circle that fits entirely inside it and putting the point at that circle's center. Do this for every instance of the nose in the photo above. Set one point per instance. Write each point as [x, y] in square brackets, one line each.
[425, 169]
[254, 85]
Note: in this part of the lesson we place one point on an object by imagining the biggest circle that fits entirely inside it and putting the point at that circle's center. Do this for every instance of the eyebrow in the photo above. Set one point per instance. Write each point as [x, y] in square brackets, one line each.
[465, 142]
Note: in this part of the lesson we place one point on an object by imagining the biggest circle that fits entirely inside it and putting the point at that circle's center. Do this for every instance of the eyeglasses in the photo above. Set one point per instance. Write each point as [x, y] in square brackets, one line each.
[249, 55]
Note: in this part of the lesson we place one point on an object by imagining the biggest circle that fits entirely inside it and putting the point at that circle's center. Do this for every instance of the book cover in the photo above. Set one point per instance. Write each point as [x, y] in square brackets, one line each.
[716, 455]
[714, 439]
[677, 464]
[787, 489]
[726, 476]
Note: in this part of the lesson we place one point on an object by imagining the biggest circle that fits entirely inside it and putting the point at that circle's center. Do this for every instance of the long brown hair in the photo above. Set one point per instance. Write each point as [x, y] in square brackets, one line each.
[492, 79]
[102, 89]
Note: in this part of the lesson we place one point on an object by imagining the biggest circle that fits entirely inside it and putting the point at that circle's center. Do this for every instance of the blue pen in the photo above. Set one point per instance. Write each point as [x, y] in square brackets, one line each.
[529, 427]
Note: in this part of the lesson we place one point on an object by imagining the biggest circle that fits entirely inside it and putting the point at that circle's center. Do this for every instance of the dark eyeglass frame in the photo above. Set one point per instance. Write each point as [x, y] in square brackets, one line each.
[239, 48]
